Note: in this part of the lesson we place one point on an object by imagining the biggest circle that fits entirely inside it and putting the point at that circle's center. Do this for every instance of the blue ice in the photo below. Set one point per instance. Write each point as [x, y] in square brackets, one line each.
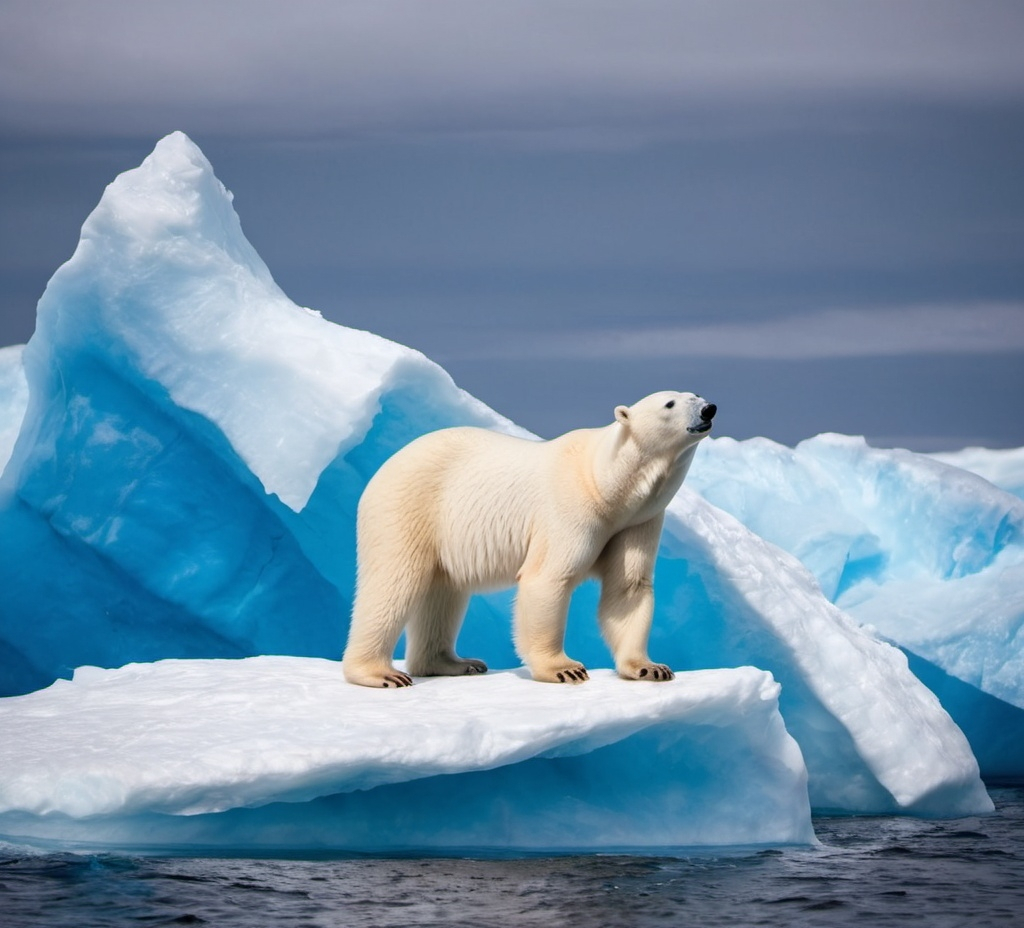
[928, 555]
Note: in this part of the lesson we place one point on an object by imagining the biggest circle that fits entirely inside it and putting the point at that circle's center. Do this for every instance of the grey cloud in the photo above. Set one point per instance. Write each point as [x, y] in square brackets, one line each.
[324, 65]
[969, 329]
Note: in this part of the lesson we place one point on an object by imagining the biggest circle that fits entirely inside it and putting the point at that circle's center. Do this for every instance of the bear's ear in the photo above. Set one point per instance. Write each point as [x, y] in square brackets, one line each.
[622, 414]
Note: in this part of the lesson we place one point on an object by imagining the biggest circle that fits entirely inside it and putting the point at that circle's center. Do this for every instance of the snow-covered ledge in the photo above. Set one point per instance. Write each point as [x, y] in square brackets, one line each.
[280, 753]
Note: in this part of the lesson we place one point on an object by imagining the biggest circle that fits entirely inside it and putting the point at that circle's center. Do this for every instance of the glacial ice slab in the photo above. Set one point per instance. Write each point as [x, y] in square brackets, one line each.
[281, 753]
[928, 555]
[162, 502]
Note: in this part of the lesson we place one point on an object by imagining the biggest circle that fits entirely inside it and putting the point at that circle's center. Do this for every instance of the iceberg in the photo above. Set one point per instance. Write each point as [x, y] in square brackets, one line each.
[927, 555]
[183, 489]
[1002, 467]
[279, 753]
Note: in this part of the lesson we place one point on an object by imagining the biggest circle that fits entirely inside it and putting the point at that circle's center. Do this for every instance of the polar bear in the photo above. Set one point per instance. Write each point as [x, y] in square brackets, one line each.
[463, 510]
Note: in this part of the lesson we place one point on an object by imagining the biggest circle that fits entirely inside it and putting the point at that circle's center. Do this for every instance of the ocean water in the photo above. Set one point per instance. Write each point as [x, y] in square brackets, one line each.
[867, 872]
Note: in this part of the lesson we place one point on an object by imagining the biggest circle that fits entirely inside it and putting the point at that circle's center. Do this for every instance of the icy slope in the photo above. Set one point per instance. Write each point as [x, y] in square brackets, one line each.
[280, 752]
[929, 555]
[1003, 467]
[186, 478]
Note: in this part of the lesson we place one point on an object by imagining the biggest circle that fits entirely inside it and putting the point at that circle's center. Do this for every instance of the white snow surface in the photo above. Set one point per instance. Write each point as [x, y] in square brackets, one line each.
[128, 754]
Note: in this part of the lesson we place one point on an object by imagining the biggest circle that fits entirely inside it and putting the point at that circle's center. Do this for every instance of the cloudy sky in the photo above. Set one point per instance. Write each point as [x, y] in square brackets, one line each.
[810, 212]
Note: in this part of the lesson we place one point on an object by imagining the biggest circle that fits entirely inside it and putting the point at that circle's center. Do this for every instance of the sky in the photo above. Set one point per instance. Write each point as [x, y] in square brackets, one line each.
[811, 213]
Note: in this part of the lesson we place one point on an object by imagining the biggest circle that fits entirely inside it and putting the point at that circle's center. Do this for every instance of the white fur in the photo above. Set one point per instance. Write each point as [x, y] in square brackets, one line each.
[463, 510]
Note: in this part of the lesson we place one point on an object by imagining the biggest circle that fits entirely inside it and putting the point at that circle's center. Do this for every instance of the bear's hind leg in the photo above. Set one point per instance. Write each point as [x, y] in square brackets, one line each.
[433, 628]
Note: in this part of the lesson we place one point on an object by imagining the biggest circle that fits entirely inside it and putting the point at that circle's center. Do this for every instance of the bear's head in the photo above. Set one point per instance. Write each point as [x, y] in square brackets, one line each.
[667, 422]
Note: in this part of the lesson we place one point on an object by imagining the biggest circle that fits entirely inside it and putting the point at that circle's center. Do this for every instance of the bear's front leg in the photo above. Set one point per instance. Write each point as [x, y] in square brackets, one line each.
[540, 614]
[378, 617]
[626, 567]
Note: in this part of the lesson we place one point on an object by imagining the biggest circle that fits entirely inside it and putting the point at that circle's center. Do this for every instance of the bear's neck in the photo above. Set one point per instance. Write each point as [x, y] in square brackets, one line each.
[634, 487]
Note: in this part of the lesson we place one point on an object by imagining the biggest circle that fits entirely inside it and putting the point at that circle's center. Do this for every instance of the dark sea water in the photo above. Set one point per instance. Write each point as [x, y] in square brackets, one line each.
[867, 872]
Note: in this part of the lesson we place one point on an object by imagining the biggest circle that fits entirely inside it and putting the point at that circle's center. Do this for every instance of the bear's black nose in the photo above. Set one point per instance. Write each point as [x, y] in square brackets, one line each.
[708, 412]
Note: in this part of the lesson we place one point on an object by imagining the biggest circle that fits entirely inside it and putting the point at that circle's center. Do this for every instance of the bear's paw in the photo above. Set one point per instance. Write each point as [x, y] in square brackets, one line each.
[386, 677]
[397, 679]
[446, 667]
[567, 672]
[646, 670]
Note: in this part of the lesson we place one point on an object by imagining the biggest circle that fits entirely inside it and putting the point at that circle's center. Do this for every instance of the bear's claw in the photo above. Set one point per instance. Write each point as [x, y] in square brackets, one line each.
[397, 679]
[655, 672]
[573, 675]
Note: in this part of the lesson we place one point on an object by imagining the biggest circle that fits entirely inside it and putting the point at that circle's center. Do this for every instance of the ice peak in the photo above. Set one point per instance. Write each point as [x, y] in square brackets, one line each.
[165, 289]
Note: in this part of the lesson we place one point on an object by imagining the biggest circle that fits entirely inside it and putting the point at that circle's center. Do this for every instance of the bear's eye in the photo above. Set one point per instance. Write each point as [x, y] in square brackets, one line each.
[670, 404]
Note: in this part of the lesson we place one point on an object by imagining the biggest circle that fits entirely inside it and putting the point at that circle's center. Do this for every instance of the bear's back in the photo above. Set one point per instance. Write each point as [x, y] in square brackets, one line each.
[473, 496]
